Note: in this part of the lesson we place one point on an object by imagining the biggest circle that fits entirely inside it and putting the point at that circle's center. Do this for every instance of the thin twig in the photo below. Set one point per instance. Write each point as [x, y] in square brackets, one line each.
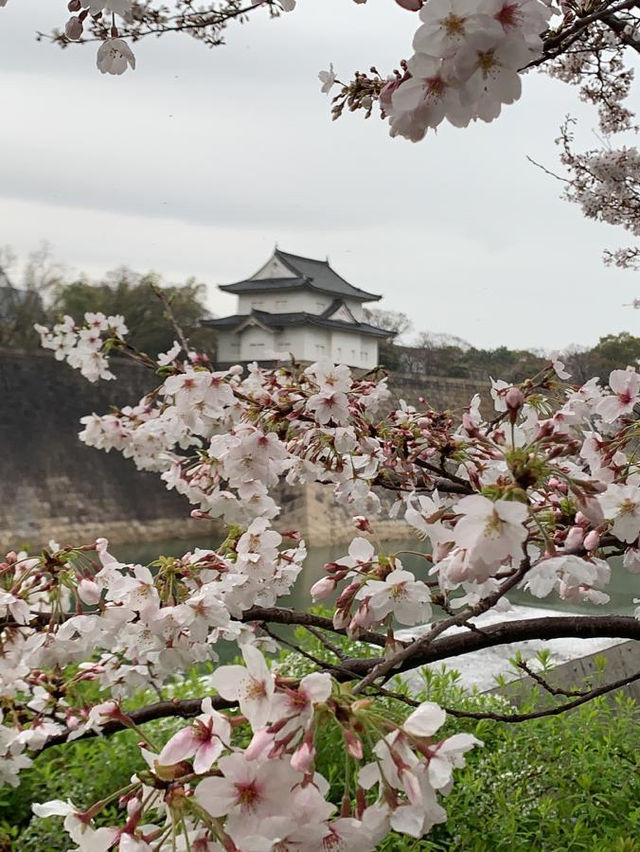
[184, 340]
[325, 641]
[552, 690]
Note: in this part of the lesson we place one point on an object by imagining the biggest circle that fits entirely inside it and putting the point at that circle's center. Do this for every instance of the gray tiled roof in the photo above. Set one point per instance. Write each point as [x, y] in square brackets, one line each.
[278, 321]
[310, 273]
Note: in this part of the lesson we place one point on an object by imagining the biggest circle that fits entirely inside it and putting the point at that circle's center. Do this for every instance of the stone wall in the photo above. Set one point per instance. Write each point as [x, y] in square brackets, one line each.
[55, 487]
[440, 392]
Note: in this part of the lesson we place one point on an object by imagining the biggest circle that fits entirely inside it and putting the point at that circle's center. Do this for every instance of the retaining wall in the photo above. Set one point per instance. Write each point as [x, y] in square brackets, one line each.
[52, 486]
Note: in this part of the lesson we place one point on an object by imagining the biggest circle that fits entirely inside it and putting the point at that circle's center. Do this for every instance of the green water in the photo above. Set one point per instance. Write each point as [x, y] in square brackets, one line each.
[622, 588]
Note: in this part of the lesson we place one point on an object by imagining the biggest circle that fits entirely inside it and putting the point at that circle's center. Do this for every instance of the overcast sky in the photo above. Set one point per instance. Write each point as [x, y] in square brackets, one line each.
[200, 160]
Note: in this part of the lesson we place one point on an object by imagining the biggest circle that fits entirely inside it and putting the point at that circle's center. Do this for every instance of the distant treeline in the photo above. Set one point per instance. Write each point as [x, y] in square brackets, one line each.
[614, 351]
[45, 292]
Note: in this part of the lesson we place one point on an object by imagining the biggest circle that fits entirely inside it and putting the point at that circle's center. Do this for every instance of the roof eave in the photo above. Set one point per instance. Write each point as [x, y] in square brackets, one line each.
[261, 285]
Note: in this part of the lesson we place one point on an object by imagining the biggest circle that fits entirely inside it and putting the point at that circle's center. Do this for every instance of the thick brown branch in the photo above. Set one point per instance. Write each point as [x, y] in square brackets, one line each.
[184, 708]
[279, 615]
[554, 627]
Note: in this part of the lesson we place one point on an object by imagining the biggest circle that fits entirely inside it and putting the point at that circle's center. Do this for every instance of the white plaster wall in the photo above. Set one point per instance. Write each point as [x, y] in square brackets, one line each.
[256, 344]
[354, 349]
[228, 346]
[307, 344]
[368, 351]
[284, 302]
[355, 308]
[345, 348]
[317, 344]
[273, 268]
[293, 340]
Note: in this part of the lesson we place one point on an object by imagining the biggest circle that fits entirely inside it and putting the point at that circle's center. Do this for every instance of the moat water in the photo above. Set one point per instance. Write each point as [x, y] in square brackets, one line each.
[623, 586]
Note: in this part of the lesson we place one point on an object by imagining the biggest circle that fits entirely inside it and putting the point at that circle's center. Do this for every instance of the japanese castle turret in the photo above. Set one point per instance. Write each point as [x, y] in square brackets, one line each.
[300, 306]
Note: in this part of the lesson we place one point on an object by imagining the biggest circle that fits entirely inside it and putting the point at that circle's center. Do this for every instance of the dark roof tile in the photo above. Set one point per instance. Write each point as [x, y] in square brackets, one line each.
[277, 321]
[314, 274]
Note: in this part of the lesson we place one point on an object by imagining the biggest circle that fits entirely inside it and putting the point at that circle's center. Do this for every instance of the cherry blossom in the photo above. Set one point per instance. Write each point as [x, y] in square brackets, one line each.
[114, 57]
[491, 531]
[625, 385]
[252, 686]
[399, 594]
[327, 78]
[204, 740]
[621, 504]
[538, 498]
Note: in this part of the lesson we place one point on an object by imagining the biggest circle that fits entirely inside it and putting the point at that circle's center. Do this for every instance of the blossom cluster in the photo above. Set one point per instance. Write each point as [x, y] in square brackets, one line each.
[83, 346]
[536, 495]
[468, 54]
[269, 795]
[226, 442]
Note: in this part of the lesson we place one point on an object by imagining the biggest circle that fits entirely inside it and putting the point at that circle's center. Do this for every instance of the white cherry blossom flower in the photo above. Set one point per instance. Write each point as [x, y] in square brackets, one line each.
[490, 530]
[204, 740]
[447, 24]
[625, 385]
[327, 78]
[115, 56]
[252, 687]
[247, 788]
[329, 405]
[488, 67]
[77, 825]
[621, 504]
[400, 593]
[425, 720]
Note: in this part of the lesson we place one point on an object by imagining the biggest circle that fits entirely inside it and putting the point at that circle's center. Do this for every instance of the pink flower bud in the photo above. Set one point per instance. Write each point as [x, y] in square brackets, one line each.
[322, 588]
[410, 5]
[73, 28]
[467, 421]
[347, 595]
[354, 744]
[303, 757]
[514, 399]
[200, 514]
[341, 618]
[260, 741]
[89, 592]
[591, 540]
[574, 538]
[362, 523]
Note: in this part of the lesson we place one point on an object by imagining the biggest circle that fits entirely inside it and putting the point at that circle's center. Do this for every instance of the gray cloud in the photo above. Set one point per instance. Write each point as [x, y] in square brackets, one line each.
[200, 160]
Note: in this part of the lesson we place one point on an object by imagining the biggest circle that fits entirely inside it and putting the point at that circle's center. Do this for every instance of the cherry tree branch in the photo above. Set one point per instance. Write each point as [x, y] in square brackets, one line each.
[507, 633]
[583, 698]
[183, 708]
